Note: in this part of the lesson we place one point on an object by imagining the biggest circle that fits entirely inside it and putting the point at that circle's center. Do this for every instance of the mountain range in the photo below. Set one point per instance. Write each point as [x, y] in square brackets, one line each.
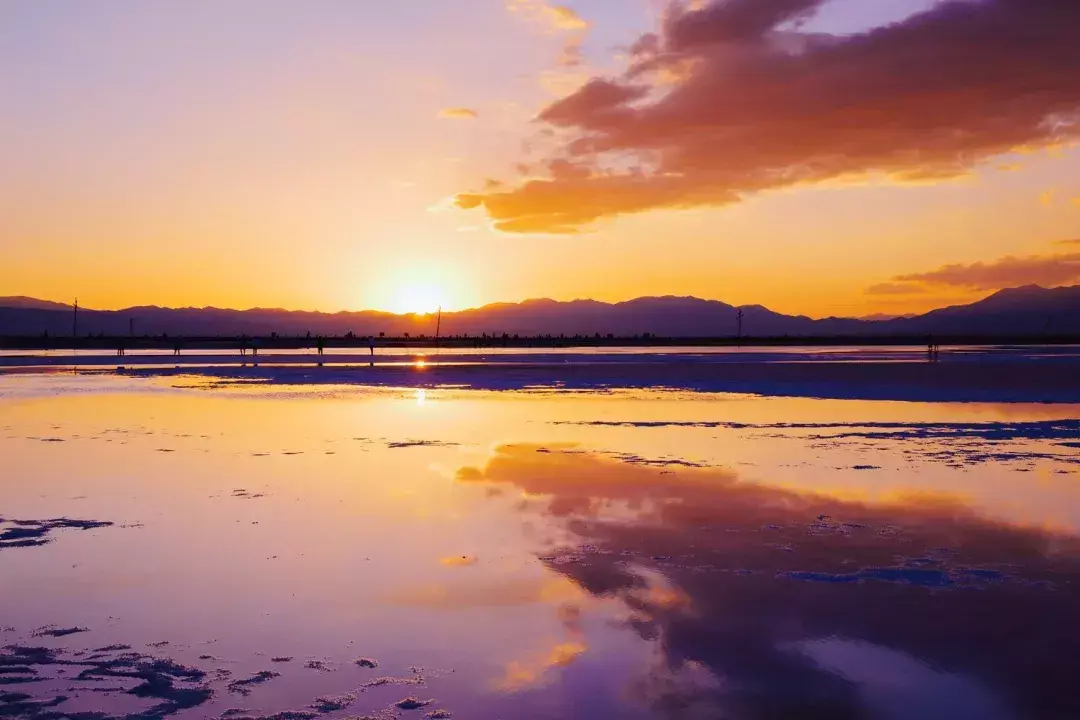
[1028, 310]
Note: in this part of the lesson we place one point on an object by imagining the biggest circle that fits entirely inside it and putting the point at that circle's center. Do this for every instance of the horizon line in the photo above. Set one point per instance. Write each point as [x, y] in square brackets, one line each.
[83, 308]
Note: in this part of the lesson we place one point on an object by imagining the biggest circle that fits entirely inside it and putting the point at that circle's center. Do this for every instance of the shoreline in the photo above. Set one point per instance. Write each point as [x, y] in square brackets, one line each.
[510, 342]
[985, 378]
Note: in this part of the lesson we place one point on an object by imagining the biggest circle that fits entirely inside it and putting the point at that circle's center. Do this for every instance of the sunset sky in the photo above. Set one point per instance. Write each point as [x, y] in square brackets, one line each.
[825, 157]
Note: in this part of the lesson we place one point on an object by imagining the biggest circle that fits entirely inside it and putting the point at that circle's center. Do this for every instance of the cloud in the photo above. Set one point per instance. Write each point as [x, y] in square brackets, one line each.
[554, 18]
[895, 289]
[1009, 271]
[732, 98]
[458, 113]
[1006, 272]
[550, 16]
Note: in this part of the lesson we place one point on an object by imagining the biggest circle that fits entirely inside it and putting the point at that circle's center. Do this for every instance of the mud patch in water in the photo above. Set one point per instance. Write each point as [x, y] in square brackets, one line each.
[244, 686]
[53, 631]
[32, 533]
[176, 687]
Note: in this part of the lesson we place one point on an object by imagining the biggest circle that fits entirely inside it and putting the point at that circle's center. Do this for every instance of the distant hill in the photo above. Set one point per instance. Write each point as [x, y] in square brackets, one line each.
[876, 317]
[1029, 310]
[29, 303]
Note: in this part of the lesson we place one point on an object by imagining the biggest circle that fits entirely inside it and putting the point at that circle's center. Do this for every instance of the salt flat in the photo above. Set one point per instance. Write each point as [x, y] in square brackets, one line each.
[556, 536]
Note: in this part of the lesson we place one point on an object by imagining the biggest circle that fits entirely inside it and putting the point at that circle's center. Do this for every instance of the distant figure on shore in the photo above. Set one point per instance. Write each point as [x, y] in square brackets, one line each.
[176, 348]
[120, 348]
[371, 344]
[933, 352]
[320, 344]
[255, 347]
[243, 345]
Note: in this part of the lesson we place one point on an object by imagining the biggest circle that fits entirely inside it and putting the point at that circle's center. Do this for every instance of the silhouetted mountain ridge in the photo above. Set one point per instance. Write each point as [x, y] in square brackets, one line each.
[29, 303]
[1028, 310]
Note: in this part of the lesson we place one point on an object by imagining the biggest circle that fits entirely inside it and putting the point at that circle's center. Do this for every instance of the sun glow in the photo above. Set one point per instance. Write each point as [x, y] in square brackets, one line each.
[418, 298]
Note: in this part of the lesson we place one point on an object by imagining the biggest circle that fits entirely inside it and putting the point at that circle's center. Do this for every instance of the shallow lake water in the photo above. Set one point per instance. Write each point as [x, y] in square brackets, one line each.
[197, 546]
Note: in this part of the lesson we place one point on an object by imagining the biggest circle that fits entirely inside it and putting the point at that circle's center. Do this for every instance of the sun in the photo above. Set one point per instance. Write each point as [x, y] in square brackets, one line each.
[419, 298]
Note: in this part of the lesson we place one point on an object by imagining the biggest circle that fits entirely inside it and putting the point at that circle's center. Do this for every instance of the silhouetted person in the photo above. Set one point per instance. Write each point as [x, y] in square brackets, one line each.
[120, 348]
[320, 344]
[371, 344]
[243, 345]
[176, 348]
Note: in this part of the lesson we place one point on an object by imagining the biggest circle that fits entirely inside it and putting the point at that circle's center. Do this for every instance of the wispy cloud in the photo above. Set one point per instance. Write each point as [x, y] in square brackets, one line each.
[555, 18]
[798, 107]
[458, 113]
[1009, 271]
[895, 289]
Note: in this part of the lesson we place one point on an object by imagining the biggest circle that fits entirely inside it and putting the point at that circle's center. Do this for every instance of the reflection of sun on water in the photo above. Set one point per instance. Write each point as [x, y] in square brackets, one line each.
[421, 396]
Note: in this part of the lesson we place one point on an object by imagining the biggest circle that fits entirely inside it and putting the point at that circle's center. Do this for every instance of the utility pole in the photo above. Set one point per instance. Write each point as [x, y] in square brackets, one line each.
[738, 319]
[438, 330]
[75, 320]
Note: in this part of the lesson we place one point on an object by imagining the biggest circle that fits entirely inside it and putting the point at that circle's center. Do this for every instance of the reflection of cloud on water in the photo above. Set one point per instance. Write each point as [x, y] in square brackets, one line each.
[896, 685]
[780, 593]
[485, 592]
[521, 674]
[536, 668]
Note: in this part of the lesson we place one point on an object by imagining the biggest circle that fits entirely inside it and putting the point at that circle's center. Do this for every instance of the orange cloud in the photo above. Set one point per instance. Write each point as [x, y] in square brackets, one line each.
[458, 113]
[800, 108]
[554, 17]
[1009, 271]
[557, 19]
[895, 289]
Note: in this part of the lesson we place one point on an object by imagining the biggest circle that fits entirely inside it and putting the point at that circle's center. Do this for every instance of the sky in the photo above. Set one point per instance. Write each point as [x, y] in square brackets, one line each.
[820, 157]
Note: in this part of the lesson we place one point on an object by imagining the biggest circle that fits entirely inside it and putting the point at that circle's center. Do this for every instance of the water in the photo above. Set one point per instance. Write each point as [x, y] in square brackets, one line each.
[530, 552]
